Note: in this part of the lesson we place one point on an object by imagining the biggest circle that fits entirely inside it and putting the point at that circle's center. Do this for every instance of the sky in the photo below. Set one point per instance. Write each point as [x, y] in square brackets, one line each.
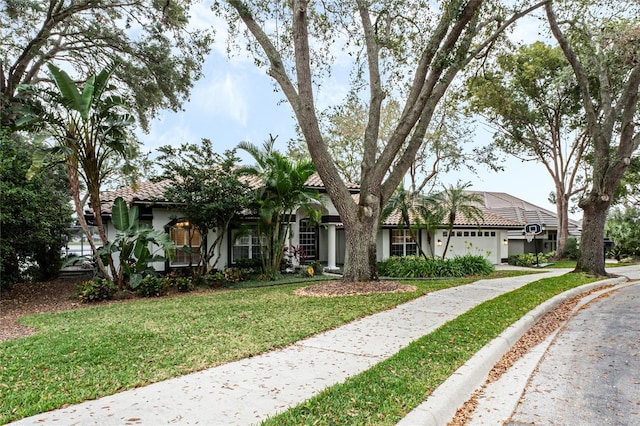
[236, 101]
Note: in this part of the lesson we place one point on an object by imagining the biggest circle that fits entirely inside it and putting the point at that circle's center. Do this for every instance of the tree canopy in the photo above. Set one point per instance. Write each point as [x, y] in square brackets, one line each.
[209, 186]
[35, 217]
[601, 44]
[412, 49]
[161, 55]
[531, 99]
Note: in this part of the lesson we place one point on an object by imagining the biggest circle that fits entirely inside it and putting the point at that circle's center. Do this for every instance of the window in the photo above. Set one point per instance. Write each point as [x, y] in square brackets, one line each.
[445, 233]
[402, 243]
[493, 233]
[459, 233]
[246, 246]
[307, 239]
[473, 233]
[183, 234]
[466, 233]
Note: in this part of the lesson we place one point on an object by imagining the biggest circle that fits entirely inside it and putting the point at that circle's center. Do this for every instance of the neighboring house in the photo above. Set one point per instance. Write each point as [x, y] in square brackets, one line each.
[325, 242]
[516, 209]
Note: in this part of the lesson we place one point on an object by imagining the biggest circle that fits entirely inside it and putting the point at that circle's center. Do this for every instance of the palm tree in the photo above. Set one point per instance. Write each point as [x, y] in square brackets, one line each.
[455, 201]
[281, 194]
[90, 128]
[429, 216]
[406, 203]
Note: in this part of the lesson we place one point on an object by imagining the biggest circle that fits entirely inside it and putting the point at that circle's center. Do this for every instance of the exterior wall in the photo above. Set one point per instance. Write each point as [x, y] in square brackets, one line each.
[490, 247]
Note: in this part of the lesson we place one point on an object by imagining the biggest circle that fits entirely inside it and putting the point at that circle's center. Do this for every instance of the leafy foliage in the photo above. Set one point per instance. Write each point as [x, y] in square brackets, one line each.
[529, 259]
[152, 286]
[455, 202]
[209, 186]
[89, 126]
[161, 54]
[282, 193]
[531, 98]
[39, 206]
[96, 290]
[132, 242]
[419, 267]
[623, 227]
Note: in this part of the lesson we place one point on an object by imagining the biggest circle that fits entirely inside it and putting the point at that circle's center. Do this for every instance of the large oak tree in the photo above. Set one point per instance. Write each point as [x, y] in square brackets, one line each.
[409, 48]
[160, 55]
[601, 43]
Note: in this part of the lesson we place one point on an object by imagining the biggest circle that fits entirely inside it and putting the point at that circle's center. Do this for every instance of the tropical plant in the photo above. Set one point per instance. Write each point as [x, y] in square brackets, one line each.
[455, 201]
[89, 127]
[132, 243]
[405, 203]
[281, 194]
[623, 227]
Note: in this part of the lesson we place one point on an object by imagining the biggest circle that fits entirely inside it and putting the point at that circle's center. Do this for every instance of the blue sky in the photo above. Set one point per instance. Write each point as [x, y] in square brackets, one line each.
[235, 101]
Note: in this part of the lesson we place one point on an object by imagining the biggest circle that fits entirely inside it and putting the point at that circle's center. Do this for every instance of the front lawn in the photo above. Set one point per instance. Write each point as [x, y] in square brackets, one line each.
[96, 351]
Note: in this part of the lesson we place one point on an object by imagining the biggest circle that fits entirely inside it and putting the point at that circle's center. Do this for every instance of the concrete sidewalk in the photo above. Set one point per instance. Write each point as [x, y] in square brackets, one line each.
[250, 390]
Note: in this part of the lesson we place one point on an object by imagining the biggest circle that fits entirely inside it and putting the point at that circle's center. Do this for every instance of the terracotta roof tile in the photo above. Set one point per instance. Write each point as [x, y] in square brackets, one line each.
[148, 192]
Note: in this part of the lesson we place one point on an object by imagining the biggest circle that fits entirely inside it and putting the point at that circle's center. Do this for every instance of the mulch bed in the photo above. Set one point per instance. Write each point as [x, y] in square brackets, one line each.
[339, 288]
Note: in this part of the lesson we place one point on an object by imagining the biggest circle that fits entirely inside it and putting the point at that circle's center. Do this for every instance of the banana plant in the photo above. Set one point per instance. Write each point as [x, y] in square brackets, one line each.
[132, 243]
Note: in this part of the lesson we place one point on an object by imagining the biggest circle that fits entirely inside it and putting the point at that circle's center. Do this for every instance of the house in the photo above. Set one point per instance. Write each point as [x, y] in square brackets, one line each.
[519, 210]
[492, 238]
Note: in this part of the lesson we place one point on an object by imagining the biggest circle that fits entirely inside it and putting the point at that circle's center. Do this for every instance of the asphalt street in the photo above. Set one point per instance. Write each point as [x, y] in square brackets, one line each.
[590, 374]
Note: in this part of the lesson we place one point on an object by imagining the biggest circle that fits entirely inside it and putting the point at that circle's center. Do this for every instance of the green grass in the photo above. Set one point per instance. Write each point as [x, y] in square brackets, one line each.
[92, 352]
[388, 391]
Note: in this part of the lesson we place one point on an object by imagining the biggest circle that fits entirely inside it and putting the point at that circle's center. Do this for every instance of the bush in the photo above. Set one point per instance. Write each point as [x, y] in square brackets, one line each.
[235, 274]
[214, 279]
[96, 290]
[152, 286]
[253, 266]
[185, 285]
[419, 267]
[528, 259]
[571, 249]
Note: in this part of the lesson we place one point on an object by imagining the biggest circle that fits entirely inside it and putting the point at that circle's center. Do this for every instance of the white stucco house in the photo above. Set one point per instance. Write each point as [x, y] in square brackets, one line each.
[498, 235]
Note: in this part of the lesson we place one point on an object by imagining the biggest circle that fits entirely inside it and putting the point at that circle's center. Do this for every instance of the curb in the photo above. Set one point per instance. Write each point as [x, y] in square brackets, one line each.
[442, 404]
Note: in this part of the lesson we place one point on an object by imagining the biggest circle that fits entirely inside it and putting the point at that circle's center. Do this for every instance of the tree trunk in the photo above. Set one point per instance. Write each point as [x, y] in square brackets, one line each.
[360, 260]
[591, 257]
[74, 187]
[562, 210]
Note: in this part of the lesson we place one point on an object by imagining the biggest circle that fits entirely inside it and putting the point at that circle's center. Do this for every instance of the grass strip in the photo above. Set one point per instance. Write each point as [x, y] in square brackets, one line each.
[387, 392]
[97, 351]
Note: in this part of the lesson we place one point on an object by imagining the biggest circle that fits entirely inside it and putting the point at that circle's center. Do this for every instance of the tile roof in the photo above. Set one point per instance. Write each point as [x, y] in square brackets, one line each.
[150, 192]
[516, 209]
[489, 219]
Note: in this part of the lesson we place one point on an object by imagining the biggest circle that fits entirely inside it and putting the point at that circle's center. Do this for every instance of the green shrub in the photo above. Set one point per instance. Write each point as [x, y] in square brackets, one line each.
[419, 267]
[529, 259]
[152, 286]
[571, 249]
[235, 274]
[96, 290]
[185, 285]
